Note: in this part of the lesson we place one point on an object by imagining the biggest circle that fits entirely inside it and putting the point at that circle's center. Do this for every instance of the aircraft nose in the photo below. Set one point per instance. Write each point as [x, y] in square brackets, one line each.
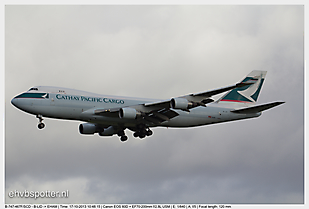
[14, 101]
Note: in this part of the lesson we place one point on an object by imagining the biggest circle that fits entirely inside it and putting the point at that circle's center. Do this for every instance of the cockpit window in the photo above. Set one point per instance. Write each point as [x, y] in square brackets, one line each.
[33, 95]
[34, 89]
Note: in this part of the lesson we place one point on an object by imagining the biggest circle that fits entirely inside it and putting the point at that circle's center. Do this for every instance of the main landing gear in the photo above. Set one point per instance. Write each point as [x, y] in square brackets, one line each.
[122, 135]
[142, 131]
[40, 125]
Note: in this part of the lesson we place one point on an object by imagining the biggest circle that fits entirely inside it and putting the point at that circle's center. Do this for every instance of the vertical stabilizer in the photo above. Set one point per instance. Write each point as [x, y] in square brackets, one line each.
[246, 94]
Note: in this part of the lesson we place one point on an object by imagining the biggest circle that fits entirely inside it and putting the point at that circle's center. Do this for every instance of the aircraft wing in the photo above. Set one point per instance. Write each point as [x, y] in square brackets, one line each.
[200, 98]
[159, 116]
[156, 116]
[163, 104]
[114, 112]
[160, 111]
[221, 90]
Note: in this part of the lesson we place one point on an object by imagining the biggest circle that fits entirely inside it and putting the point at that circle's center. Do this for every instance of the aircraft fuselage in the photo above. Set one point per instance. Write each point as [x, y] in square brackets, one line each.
[81, 105]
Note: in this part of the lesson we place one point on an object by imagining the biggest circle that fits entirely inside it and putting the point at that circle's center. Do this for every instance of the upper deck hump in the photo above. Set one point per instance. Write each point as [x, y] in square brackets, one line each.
[62, 90]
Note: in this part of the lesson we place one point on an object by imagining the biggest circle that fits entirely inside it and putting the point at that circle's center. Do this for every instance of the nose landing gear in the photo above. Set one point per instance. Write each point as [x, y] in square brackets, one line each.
[40, 125]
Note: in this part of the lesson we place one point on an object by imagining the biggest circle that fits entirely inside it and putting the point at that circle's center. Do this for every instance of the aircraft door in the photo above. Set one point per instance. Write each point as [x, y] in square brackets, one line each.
[52, 100]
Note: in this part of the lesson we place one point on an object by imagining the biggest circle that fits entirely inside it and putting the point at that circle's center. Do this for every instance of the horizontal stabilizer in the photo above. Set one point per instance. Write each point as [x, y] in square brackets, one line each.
[257, 108]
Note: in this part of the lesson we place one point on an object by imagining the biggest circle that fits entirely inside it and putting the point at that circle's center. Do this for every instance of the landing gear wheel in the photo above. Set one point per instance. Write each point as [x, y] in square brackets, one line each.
[121, 133]
[123, 138]
[142, 131]
[139, 134]
[142, 136]
[41, 125]
[149, 132]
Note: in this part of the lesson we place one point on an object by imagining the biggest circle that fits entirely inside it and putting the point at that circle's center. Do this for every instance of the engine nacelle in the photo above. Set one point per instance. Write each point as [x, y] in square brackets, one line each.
[128, 113]
[108, 131]
[180, 103]
[88, 128]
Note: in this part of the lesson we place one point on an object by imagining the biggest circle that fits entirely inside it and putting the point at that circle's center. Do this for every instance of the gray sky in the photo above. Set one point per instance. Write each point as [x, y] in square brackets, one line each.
[157, 52]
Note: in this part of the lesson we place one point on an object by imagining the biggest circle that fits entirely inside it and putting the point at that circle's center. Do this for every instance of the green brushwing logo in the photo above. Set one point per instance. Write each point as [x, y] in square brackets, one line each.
[246, 94]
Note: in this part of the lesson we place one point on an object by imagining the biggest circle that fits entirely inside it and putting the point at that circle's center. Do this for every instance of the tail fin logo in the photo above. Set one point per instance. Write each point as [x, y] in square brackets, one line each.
[251, 90]
[247, 94]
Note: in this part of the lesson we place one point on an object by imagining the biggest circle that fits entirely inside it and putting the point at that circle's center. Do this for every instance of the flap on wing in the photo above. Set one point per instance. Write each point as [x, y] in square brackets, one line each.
[160, 116]
[258, 108]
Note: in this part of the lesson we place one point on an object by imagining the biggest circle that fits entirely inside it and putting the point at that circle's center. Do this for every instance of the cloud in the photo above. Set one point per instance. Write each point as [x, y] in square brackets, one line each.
[157, 52]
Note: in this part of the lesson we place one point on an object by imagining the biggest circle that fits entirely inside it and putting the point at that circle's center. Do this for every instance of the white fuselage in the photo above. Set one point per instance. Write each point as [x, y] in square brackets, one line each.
[63, 103]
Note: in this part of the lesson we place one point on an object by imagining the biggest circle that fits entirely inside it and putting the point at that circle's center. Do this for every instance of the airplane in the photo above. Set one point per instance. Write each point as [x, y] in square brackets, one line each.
[109, 115]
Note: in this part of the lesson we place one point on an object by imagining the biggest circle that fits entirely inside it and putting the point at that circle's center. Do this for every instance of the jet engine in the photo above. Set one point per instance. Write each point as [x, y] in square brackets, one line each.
[88, 128]
[129, 113]
[180, 103]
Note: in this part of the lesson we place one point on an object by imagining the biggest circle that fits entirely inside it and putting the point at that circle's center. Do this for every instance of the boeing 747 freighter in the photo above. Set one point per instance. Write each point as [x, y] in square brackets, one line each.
[108, 115]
